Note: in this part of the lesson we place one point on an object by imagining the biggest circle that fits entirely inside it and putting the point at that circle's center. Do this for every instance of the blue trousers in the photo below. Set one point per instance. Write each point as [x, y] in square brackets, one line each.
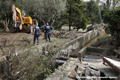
[47, 36]
[36, 36]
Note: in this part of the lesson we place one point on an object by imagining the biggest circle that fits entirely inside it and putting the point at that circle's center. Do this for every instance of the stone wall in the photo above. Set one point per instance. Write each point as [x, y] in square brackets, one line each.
[74, 70]
[68, 71]
[71, 48]
[85, 49]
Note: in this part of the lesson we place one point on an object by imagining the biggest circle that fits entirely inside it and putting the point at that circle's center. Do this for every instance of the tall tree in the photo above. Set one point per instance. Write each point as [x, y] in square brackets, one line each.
[115, 3]
[99, 8]
[70, 3]
[112, 18]
[5, 13]
[44, 10]
[75, 11]
[93, 12]
[109, 5]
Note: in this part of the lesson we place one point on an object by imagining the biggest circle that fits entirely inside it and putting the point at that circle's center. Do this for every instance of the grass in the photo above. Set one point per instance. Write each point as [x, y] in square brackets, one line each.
[38, 66]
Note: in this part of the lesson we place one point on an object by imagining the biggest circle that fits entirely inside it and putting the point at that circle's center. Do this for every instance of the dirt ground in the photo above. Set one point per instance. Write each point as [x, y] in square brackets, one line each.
[20, 40]
[12, 42]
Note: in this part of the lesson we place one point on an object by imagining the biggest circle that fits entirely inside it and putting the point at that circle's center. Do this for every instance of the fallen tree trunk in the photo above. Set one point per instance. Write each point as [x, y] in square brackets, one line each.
[114, 64]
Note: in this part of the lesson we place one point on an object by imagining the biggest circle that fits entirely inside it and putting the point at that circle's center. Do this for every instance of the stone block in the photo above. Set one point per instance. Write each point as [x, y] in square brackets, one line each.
[67, 71]
[81, 53]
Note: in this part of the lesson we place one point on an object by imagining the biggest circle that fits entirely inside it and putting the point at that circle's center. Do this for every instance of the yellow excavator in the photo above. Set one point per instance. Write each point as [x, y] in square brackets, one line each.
[20, 22]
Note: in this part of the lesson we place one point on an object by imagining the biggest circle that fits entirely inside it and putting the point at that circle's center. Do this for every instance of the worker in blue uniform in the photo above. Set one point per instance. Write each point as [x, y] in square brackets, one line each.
[36, 32]
[47, 30]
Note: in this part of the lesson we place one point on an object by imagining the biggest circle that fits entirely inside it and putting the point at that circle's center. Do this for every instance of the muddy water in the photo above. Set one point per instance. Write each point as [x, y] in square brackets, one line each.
[92, 58]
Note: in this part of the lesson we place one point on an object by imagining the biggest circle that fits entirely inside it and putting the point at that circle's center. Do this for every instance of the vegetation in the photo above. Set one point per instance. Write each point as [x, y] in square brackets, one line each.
[5, 13]
[113, 19]
[93, 12]
[60, 12]
[74, 13]
[44, 10]
[26, 66]
[107, 43]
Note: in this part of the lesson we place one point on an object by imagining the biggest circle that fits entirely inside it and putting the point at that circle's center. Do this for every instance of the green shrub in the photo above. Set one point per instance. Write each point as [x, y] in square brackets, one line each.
[113, 19]
[27, 66]
[102, 42]
[1, 25]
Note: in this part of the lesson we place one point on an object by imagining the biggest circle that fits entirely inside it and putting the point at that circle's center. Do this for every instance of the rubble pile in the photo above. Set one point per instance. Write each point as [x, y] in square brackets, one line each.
[100, 27]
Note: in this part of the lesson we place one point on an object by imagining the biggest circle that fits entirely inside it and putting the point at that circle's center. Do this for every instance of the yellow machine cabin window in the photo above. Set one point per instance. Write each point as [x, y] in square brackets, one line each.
[27, 20]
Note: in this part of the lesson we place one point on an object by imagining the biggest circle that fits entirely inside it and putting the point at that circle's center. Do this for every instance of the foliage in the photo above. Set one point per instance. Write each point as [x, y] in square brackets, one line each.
[107, 43]
[113, 19]
[109, 5]
[105, 7]
[93, 12]
[1, 25]
[115, 3]
[80, 21]
[102, 42]
[61, 21]
[75, 14]
[5, 13]
[44, 66]
[44, 10]
[27, 66]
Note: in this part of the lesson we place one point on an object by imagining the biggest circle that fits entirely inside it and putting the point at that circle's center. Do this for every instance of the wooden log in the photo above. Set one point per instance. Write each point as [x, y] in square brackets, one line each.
[114, 64]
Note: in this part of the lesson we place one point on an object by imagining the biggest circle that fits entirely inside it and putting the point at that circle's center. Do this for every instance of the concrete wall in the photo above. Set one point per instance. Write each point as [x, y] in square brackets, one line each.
[85, 49]
[95, 49]
[68, 71]
[71, 48]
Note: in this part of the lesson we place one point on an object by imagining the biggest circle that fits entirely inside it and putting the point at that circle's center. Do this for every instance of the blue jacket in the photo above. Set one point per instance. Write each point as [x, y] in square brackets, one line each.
[47, 29]
[37, 29]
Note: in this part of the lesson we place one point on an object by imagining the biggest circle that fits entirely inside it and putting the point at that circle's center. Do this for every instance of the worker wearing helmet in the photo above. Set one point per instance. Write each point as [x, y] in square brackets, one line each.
[36, 32]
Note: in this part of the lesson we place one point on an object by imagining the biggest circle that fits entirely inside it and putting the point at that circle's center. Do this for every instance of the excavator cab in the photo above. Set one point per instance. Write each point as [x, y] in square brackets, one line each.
[27, 24]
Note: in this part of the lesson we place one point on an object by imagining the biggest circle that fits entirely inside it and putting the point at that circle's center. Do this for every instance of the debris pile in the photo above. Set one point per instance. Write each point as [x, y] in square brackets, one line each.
[100, 27]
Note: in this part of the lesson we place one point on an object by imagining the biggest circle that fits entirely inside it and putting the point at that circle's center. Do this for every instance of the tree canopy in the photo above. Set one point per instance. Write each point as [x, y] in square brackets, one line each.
[45, 10]
[75, 13]
[5, 12]
[93, 12]
[42, 10]
[113, 19]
